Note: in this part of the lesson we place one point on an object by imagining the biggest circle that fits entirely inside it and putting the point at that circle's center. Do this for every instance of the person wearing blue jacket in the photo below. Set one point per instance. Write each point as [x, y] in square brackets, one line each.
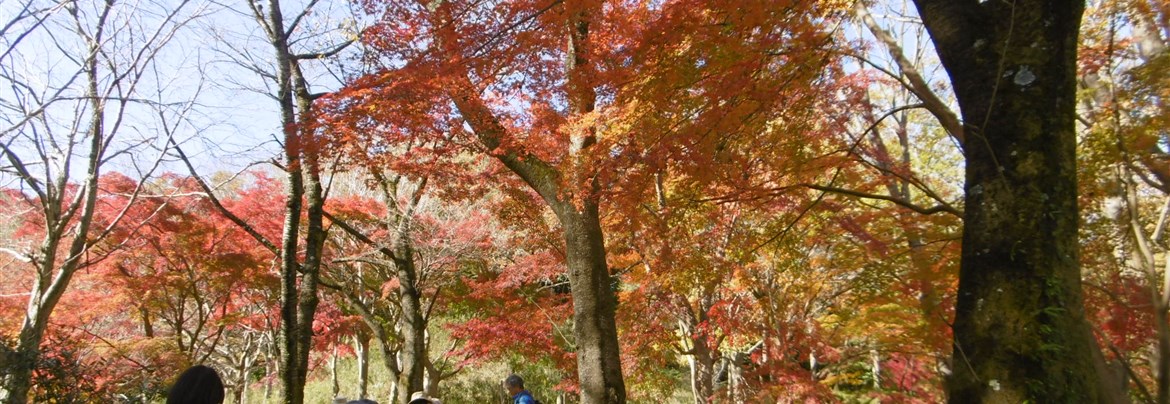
[515, 386]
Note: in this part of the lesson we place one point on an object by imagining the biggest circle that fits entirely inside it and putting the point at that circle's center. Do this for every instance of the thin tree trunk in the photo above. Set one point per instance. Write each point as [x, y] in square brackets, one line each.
[333, 374]
[1141, 252]
[411, 323]
[298, 301]
[1163, 365]
[242, 391]
[875, 368]
[307, 299]
[268, 382]
[733, 376]
[147, 325]
[702, 365]
[431, 382]
[52, 278]
[389, 355]
[292, 384]
[362, 346]
[390, 362]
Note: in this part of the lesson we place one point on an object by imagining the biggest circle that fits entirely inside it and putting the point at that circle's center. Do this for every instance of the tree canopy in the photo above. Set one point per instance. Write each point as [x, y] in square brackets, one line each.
[621, 201]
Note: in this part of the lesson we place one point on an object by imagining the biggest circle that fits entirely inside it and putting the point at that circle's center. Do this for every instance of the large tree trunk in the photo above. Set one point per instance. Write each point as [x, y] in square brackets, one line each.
[19, 381]
[599, 367]
[32, 331]
[702, 364]
[1020, 330]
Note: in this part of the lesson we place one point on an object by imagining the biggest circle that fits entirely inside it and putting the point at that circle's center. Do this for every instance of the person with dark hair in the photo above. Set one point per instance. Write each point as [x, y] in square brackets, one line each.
[197, 385]
[515, 386]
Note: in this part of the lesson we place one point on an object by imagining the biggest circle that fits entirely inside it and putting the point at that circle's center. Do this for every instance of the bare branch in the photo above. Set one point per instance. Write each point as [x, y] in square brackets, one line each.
[22, 257]
[219, 206]
[361, 236]
[917, 84]
[292, 26]
[898, 201]
[325, 54]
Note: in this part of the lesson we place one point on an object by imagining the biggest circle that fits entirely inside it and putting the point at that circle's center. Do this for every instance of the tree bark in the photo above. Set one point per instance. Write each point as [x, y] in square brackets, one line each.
[307, 299]
[362, 346]
[411, 323]
[701, 356]
[1020, 332]
[291, 385]
[599, 368]
[298, 299]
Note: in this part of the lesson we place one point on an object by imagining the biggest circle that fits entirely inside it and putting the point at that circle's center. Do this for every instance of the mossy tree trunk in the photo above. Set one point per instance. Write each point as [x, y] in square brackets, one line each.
[1020, 332]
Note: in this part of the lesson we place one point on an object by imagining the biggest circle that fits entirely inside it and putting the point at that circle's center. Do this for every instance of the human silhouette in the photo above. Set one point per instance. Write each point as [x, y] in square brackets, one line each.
[197, 385]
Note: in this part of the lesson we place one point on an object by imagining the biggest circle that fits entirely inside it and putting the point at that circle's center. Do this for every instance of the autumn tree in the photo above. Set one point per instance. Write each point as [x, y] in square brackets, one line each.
[511, 302]
[356, 280]
[367, 270]
[287, 71]
[1123, 185]
[64, 122]
[201, 290]
[396, 249]
[910, 138]
[1020, 329]
[566, 95]
[777, 300]
[401, 245]
[682, 262]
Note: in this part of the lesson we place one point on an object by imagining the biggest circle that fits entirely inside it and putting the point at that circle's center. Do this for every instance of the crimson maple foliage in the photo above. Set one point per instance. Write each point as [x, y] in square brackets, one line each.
[640, 87]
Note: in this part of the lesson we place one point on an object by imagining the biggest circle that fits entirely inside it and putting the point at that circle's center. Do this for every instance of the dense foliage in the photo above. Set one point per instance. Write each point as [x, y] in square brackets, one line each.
[777, 188]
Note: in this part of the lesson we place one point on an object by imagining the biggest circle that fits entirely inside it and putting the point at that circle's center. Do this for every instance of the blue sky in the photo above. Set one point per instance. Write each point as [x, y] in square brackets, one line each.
[195, 87]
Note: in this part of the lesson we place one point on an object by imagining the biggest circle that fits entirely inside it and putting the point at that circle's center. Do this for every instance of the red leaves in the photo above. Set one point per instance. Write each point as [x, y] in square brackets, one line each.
[679, 84]
[172, 283]
[500, 336]
[1124, 312]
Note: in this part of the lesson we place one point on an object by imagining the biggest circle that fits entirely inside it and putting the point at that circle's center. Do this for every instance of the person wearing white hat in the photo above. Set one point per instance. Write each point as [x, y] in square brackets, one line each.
[419, 398]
